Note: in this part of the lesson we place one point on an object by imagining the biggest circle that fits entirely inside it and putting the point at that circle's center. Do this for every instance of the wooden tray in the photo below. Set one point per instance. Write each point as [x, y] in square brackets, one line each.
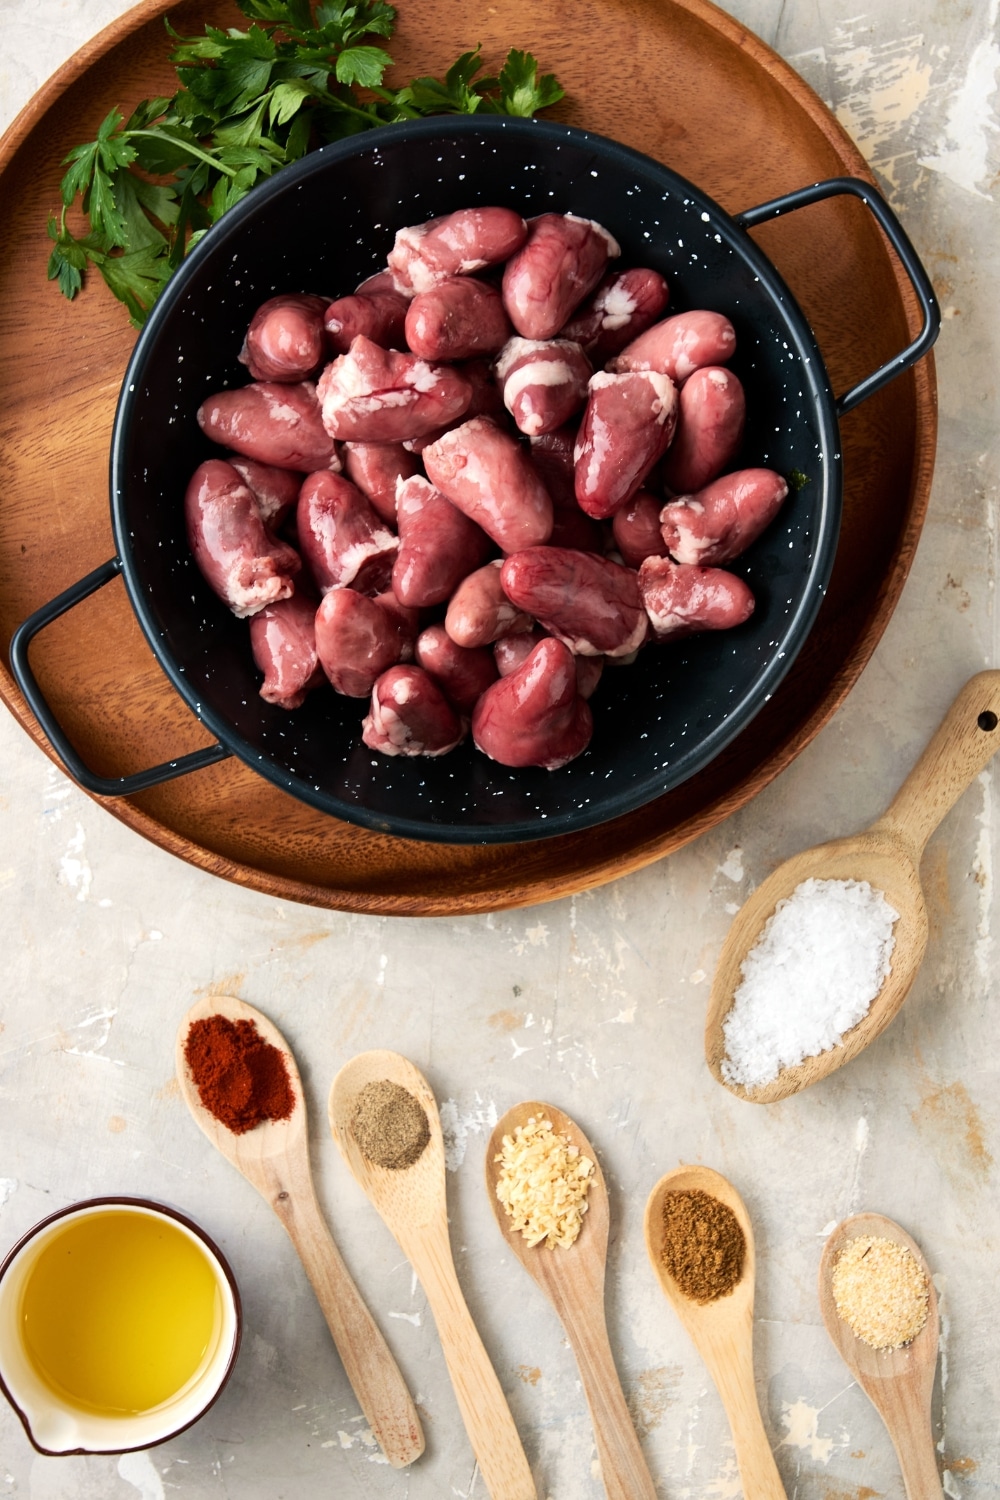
[677, 79]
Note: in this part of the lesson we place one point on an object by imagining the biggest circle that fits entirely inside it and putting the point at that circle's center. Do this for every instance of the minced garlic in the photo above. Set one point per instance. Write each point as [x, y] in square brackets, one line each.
[880, 1291]
[543, 1183]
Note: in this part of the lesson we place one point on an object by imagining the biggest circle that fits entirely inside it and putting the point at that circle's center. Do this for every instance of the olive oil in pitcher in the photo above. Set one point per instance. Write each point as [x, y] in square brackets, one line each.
[120, 1312]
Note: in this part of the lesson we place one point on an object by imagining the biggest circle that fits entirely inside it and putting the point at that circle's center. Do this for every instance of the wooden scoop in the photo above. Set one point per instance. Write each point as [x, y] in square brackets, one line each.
[412, 1202]
[721, 1331]
[573, 1280]
[898, 1382]
[274, 1157]
[888, 856]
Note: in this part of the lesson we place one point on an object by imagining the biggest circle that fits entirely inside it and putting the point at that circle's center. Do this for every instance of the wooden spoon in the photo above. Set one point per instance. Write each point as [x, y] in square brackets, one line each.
[573, 1280]
[888, 856]
[412, 1202]
[898, 1382]
[722, 1331]
[274, 1157]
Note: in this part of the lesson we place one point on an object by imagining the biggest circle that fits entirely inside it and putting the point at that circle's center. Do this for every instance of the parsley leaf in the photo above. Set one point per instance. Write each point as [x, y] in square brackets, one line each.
[522, 92]
[283, 12]
[248, 102]
[363, 66]
[140, 231]
[136, 278]
[453, 96]
[68, 260]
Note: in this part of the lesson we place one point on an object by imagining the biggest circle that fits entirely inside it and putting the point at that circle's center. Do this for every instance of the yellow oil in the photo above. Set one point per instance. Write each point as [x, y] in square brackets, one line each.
[119, 1311]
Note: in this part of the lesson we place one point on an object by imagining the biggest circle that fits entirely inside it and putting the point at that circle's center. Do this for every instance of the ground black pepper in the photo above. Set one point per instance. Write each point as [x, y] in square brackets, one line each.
[390, 1125]
[703, 1244]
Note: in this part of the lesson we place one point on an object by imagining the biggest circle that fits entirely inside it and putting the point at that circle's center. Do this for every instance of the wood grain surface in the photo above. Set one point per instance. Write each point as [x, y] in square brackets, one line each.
[274, 1158]
[898, 1382]
[701, 94]
[413, 1204]
[887, 855]
[573, 1280]
[721, 1330]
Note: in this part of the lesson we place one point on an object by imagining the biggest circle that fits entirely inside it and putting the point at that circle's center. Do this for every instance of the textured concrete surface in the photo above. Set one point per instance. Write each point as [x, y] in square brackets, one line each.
[596, 1003]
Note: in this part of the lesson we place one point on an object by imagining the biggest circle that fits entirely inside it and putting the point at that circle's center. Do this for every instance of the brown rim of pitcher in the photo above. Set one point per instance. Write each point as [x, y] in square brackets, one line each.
[214, 1251]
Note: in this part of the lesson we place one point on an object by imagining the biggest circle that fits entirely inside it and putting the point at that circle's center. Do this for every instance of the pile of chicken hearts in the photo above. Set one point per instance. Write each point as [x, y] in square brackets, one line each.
[468, 488]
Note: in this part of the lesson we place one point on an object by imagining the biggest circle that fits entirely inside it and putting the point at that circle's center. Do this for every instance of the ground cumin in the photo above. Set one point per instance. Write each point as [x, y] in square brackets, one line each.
[241, 1079]
[390, 1125]
[703, 1244]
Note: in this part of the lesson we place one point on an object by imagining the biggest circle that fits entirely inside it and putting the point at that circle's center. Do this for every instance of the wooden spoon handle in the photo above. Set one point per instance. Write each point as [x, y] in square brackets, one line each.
[733, 1375]
[918, 1463]
[480, 1398]
[623, 1467]
[905, 1407]
[963, 745]
[369, 1365]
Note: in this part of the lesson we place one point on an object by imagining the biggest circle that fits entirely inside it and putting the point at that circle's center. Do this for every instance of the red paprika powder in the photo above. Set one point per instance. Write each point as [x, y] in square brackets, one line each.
[241, 1079]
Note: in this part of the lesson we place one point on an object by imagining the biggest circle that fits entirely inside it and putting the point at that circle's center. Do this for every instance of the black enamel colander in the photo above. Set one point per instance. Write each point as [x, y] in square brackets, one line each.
[324, 225]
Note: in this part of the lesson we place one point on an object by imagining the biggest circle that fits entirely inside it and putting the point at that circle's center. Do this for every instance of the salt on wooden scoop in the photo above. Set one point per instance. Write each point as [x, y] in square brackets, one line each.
[814, 971]
[887, 855]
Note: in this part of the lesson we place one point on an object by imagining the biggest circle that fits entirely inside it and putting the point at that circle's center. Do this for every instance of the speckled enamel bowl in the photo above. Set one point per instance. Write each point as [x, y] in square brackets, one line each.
[325, 224]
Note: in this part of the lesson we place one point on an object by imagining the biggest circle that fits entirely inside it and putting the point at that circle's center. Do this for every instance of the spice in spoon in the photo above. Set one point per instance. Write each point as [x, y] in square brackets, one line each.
[880, 1291]
[241, 1078]
[390, 1125]
[543, 1183]
[813, 973]
[703, 1244]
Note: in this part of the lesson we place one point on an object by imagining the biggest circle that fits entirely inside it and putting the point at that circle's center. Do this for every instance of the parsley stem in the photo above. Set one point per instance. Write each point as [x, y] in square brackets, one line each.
[323, 96]
[156, 135]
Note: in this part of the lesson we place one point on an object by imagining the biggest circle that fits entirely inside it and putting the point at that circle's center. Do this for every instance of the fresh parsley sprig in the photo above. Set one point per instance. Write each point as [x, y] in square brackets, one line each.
[249, 102]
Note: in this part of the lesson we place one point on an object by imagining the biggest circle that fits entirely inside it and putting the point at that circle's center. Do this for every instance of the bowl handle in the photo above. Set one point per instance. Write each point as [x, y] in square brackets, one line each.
[102, 786]
[898, 239]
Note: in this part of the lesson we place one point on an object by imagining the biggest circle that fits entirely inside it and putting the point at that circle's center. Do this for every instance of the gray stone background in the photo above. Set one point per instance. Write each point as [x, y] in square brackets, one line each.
[596, 1003]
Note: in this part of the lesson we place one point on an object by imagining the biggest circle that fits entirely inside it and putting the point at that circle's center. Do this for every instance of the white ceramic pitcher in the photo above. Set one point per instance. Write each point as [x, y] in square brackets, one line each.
[56, 1425]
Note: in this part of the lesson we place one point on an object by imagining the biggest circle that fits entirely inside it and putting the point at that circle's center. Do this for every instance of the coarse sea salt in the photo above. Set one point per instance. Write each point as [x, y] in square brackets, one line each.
[812, 975]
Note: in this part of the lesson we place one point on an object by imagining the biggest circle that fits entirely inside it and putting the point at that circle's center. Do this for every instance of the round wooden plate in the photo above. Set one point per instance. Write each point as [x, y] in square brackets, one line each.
[689, 86]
